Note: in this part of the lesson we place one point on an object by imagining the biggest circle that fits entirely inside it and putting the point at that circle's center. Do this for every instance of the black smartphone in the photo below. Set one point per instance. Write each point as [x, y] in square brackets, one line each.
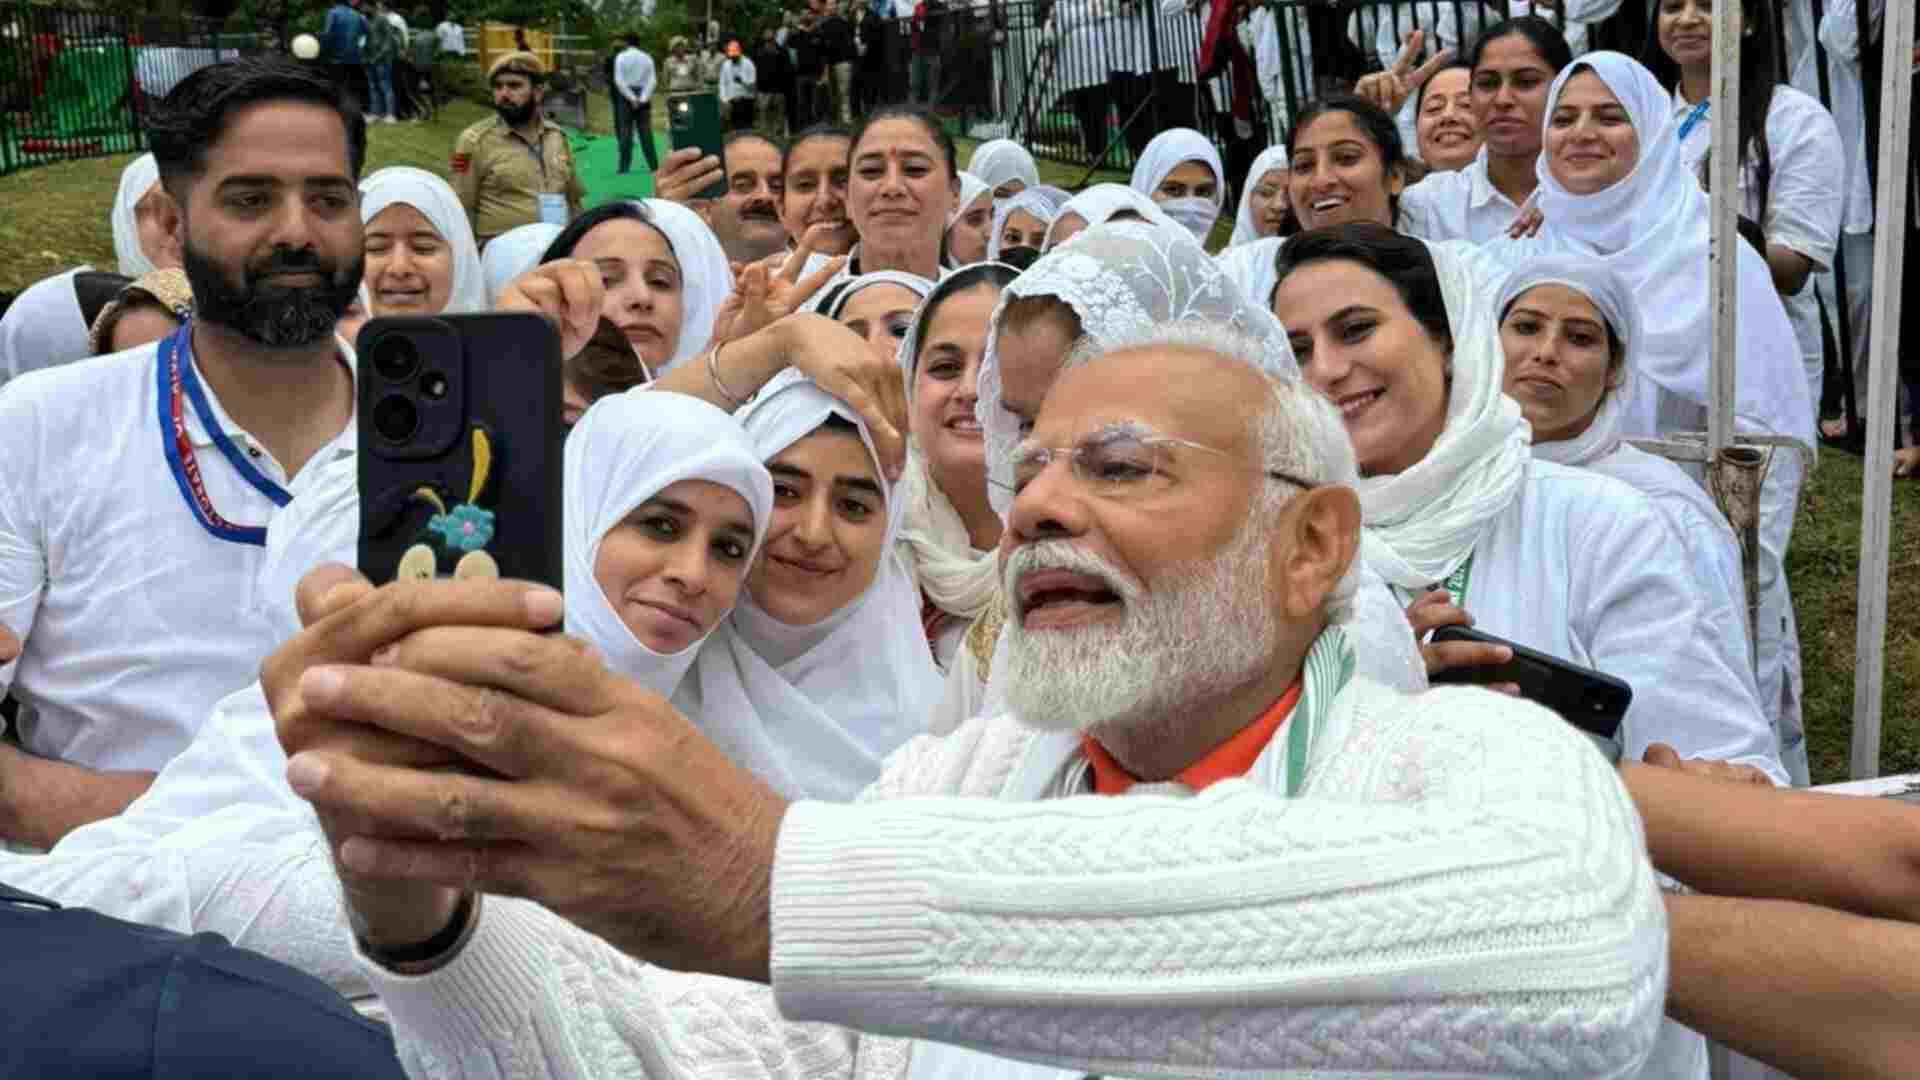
[1592, 701]
[694, 120]
[460, 448]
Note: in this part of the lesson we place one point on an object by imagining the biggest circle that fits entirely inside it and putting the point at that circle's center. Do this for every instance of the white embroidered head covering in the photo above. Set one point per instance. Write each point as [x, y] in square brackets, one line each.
[1099, 203]
[1608, 292]
[706, 276]
[1652, 227]
[626, 449]
[1423, 522]
[814, 710]
[136, 180]
[1042, 202]
[999, 160]
[1171, 149]
[44, 327]
[1244, 232]
[1125, 278]
[435, 200]
[513, 253]
[913, 283]
[971, 188]
[934, 541]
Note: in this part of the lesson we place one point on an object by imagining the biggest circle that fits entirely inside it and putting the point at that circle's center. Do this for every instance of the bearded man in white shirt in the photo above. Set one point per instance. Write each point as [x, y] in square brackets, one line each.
[134, 488]
[1461, 868]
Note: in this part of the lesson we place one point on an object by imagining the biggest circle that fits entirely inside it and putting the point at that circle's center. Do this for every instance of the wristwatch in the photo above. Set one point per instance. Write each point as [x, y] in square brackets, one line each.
[429, 955]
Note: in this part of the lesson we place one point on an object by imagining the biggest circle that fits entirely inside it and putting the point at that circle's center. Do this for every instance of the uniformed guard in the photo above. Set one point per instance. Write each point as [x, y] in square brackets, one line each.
[517, 168]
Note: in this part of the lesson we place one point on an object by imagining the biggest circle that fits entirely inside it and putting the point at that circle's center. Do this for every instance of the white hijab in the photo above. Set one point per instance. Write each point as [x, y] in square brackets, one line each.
[1042, 202]
[1653, 228]
[1244, 232]
[1171, 149]
[44, 327]
[971, 188]
[1608, 292]
[814, 710]
[513, 253]
[706, 276]
[913, 283]
[934, 541]
[136, 180]
[431, 196]
[1099, 203]
[1424, 521]
[627, 449]
[999, 160]
[1126, 277]
[1252, 266]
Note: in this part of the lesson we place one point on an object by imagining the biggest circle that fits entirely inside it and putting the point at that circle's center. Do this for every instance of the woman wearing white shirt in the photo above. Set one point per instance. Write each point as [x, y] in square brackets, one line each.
[1792, 177]
[421, 258]
[1181, 170]
[1462, 519]
[1614, 189]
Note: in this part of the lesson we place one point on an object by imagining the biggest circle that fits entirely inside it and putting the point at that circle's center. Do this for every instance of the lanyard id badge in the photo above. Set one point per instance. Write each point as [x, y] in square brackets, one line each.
[175, 378]
[553, 208]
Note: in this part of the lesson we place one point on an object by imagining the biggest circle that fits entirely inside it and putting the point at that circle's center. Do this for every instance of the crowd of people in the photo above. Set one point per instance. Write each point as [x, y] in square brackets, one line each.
[857, 739]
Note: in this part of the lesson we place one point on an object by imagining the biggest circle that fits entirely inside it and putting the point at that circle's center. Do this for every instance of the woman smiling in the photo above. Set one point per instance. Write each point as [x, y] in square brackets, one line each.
[421, 259]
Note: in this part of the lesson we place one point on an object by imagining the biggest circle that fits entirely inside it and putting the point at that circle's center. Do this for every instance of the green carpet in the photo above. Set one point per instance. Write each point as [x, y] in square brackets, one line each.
[597, 159]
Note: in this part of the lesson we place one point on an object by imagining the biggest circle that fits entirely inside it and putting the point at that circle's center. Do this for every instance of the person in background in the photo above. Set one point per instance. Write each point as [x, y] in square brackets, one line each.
[421, 259]
[834, 40]
[384, 42]
[802, 39]
[515, 168]
[972, 226]
[143, 220]
[813, 193]
[340, 38]
[1004, 166]
[47, 325]
[775, 84]
[683, 68]
[739, 81]
[1444, 122]
[145, 311]
[747, 218]
[930, 37]
[710, 60]
[870, 37]
[1180, 169]
[634, 80]
[1020, 224]
[413, 79]
[1265, 209]
[452, 37]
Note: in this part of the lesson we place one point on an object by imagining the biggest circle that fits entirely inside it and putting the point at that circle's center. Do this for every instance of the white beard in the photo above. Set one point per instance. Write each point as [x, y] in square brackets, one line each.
[1204, 632]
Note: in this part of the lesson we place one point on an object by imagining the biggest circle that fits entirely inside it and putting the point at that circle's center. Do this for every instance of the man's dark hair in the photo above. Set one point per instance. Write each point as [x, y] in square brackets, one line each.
[631, 38]
[188, 121]
[1405, 262]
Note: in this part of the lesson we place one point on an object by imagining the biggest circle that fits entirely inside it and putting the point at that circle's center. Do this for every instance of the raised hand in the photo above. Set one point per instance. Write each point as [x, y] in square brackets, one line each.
[569, 292]
[1437, 609]
[1391, 88]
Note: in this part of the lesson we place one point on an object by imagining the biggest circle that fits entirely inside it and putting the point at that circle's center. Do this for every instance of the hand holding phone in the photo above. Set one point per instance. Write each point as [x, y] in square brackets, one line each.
[693, 122]
[1590, 700]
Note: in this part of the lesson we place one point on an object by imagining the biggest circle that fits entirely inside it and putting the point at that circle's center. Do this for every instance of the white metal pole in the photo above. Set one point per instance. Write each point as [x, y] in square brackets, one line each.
[1724, 262]
[1876, 516]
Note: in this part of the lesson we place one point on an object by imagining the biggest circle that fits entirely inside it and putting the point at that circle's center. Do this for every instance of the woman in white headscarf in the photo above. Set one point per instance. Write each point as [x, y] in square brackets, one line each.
[1263, 199]
[1181, 170]
[878, 306]
[421, 259]
[971, 224]
[49, 323]
[142, 216]
[515, 252]
[1023, 221]
[822, 669]
[1112, 280]
[1004, 166]
[1460, 519]
[1098, 205]
[1636, 208]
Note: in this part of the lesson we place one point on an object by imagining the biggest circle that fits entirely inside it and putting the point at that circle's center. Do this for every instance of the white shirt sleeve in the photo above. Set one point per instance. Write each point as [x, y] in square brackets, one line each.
[649, 78]
[23, 555]
[1808, 190]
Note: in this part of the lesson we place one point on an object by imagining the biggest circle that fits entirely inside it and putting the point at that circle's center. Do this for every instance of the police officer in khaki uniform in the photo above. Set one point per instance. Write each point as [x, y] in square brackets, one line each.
[515, 169]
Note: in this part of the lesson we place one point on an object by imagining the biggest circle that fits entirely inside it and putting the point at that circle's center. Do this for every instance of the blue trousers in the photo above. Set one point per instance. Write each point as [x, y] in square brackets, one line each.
[380, 88]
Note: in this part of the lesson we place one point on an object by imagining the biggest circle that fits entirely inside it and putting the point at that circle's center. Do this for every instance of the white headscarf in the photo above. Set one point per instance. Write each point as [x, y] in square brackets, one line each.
[1042, 202]
[999, 160]
[1099, 203]
[1126, 277]
[136, 180]
[627, 449]
[971, 188]
[513, 253]
[1244, 232]
[934, 541]
[44, 327]
[431, 196]
[1424, 521]
[1168, 151]
[814, 710]
[1252, 267]
[1607, 291]
[706, 276]
[1653, 228]
[913, 283]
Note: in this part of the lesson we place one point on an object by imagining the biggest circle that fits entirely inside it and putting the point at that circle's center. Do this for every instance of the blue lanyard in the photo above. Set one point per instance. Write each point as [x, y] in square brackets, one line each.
[173, 375]
[1693, 118]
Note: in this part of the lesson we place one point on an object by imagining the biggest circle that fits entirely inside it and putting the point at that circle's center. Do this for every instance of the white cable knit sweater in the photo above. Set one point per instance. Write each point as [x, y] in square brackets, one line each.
[1461, 889]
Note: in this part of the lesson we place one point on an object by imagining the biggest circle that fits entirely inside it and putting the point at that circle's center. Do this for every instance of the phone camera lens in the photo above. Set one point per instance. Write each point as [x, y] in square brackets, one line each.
[434, 386]
[396, 359]
[395, 418]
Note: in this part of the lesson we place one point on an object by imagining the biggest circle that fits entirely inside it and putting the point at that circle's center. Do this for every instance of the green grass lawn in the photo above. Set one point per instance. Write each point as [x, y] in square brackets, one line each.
[55, 216]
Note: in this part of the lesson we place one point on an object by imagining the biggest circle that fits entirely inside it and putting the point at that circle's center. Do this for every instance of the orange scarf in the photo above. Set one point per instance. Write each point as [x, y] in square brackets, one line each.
[1224, 762]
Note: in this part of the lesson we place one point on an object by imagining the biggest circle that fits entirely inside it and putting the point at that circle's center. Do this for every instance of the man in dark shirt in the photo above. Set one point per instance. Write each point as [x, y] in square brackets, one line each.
[775, 75]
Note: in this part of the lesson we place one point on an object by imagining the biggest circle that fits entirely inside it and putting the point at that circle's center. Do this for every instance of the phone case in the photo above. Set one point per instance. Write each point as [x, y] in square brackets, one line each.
[694, 120]
[1590, 700]
[460, 448]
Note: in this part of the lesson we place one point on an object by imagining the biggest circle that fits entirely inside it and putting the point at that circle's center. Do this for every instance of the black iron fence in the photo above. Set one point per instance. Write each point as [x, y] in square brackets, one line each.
[75, 84]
